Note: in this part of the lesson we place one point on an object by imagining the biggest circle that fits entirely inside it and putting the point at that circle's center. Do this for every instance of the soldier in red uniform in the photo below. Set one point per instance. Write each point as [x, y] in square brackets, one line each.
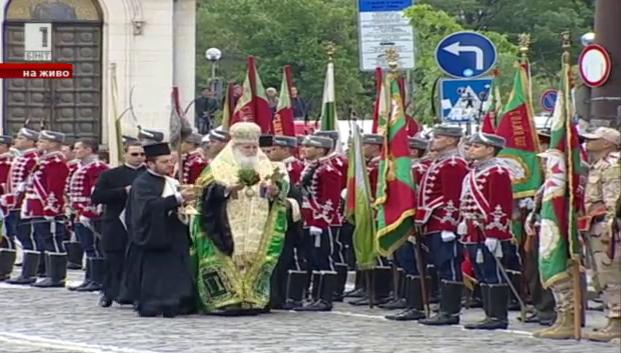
[410, 285]
[87, 214]
[75, 254]
[338, 160]
[321, 188]
[486, 207]
[439, 193]
[7, 249]
[289, 276]
[283, 150]
[44, 206]
[21, 170]
[192, 162]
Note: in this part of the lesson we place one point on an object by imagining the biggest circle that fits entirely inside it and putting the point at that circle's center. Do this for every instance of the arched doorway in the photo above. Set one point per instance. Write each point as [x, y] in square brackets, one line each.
[73, 106]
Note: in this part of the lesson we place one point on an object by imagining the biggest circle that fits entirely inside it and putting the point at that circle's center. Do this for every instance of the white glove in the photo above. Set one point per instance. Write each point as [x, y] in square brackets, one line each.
[84, 221]
[447, 236]
[493, 245]
[315, 231]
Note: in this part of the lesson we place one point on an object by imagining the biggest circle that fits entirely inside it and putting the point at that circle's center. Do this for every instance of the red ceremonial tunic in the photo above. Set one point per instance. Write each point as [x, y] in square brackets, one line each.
[321, 205]
[439, 192]
[21, 169]
[5, 167]
[486, 202]
[193, 165]
[81, 187]
[45, 190]
[294, 168]
[339, 161]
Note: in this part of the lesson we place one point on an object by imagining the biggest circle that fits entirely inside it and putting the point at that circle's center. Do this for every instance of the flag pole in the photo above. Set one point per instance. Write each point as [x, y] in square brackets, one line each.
[577, 283]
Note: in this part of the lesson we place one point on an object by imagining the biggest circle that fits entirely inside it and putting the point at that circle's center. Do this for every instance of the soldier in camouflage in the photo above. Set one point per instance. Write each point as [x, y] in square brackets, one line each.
[602, 192]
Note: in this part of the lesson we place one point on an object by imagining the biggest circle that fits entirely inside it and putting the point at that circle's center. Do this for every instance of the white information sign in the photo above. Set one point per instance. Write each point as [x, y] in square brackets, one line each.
[38, 42]
[382, 25]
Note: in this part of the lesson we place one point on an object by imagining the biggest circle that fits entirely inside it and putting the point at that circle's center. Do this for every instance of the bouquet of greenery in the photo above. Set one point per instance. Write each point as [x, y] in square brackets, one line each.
[248, 177]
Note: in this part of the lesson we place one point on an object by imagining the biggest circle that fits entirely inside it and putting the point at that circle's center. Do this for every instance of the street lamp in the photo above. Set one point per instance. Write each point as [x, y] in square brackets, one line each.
[587, 38]
[214, 55]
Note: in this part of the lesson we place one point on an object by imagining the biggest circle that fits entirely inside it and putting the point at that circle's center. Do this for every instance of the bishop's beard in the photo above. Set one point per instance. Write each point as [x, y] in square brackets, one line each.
[245, 162]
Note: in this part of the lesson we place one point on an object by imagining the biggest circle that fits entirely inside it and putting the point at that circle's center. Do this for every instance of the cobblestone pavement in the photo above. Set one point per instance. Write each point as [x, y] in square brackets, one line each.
[57, 320]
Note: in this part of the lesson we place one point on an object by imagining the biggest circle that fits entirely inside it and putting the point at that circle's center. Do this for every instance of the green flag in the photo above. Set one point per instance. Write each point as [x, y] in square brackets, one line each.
[358, 209]
[394, 197]
[562, 198]
[522, 144]
[328, 107]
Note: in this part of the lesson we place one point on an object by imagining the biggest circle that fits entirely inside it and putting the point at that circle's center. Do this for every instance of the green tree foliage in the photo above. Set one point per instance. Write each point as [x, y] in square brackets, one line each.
[280, 32]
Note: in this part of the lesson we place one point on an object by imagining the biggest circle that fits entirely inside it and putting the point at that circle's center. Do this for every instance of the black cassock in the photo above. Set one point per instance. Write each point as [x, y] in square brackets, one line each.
[159, 275]
[110, 192]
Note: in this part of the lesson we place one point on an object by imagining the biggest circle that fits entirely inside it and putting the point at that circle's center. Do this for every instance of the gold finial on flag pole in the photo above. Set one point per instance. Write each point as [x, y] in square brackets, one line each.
[524, 42]
[330, 50]
[566, 45]
[392, 58]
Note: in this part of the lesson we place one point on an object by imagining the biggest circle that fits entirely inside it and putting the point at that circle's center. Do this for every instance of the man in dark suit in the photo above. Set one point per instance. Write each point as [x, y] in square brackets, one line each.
[111, 191]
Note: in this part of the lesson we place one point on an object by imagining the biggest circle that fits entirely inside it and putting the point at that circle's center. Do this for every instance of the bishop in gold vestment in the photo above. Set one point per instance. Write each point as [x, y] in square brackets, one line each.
[239, 231]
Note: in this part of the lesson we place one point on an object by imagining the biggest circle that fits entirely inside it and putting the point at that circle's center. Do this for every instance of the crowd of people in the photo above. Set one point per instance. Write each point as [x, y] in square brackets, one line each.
[238, 223]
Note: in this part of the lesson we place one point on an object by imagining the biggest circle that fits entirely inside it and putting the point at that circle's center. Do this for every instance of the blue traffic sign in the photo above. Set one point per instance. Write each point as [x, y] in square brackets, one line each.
[464, 100]
[548, 99]
[383, 5]
[466, 54]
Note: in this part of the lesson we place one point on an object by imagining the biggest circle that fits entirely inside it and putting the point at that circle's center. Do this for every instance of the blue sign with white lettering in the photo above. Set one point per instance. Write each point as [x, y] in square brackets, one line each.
[466, 54]
[548, 100]
[464, 100]
[383, 5]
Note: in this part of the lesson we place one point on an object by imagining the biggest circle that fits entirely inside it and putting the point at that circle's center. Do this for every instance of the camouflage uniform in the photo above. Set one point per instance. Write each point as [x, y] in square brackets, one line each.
[602, 192]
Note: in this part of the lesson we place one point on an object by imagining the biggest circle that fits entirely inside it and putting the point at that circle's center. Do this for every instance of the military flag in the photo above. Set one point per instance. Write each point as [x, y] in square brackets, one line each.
[283, 120]
[562, 196]
[328, 106]
[517, 126]
[228, 106]
[358, 206]
[253, 105]
[395, 189]
[379, 79]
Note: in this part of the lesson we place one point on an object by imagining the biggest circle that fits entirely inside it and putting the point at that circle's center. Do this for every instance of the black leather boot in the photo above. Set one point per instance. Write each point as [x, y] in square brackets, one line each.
[87, 277]
[498, 309]
[382, 285]
[7, 259]
[56, 271]
[328, 282]
[450, 305]
[97, 276]
[30, 265]
[341, 280]
[485, 303]
[399, 297]
[75, 255]
[296, 288]
[414, 302]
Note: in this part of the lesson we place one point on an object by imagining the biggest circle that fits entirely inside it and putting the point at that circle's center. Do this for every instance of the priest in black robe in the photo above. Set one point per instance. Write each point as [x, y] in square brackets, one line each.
[160, 281]
[111, 191]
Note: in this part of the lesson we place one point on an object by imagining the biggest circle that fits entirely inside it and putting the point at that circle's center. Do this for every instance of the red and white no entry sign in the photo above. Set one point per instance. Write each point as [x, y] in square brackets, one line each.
[595, 65]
